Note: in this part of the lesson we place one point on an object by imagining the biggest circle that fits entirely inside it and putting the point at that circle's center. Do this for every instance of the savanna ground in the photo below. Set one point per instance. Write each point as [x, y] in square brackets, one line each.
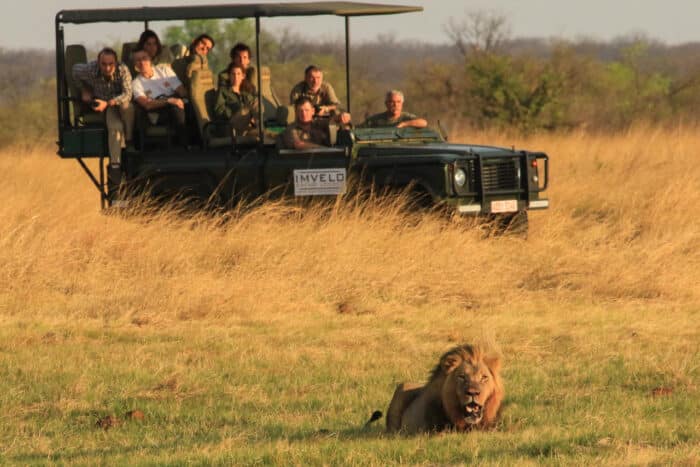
[268, 336]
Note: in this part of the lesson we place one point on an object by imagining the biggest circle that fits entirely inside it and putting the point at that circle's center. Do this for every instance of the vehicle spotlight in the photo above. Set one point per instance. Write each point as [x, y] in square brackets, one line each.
[460, 178]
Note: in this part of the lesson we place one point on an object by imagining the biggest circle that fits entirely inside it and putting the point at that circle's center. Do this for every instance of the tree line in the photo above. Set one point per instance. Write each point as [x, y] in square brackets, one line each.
[480, 77]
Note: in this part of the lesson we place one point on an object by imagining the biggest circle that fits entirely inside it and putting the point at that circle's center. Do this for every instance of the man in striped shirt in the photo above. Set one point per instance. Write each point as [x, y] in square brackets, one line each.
[106, 88]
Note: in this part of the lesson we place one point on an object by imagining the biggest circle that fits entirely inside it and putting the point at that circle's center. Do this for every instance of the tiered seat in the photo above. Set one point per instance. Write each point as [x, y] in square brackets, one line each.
[178, 51]
[203, 98]
[270, 102]
[75, 54]
[127, 49]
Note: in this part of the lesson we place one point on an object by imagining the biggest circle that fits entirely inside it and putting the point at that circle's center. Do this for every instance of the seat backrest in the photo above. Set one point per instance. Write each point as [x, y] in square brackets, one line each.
[178, 51]
[285, 115]
[165, 57]
[179, 66]
[270, 102]
[127, 49]
[202, 96]
[196, 62]
[184, 67]
[75, 53]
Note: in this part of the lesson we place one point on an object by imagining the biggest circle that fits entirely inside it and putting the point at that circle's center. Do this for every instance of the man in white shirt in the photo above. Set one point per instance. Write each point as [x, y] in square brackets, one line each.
[160, 93]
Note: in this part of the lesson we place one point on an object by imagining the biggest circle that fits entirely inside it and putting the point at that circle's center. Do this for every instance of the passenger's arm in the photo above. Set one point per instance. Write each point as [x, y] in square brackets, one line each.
[251, 102]
[127, 93]
[221, 110]
[411, 120]
[299, 144]
[154, 104]
[415, 123]
[294, 94]
[222, 80]
[291, 140]
[332, 103]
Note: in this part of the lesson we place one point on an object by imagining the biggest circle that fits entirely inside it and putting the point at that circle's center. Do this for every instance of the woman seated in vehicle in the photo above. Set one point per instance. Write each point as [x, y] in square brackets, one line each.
[150, 42]
[235, 104]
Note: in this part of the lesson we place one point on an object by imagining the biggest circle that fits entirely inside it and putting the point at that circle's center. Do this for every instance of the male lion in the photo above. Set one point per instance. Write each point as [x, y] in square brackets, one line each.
[464, 392]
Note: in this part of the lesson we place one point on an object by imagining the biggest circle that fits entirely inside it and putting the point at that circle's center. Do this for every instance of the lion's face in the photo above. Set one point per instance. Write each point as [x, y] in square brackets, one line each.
[472, 391]
[473, 385]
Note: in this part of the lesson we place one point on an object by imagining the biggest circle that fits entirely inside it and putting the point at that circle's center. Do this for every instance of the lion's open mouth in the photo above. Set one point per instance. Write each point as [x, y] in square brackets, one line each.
[473, 412]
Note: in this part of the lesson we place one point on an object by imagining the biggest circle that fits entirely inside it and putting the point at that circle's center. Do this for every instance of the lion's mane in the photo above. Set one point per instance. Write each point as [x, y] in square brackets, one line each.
[464, 391]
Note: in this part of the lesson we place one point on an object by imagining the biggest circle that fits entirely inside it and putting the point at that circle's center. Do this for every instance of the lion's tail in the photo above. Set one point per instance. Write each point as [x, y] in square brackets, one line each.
[376, 415]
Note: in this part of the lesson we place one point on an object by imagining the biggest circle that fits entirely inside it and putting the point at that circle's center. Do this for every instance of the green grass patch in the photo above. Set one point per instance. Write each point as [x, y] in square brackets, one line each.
[257, 396]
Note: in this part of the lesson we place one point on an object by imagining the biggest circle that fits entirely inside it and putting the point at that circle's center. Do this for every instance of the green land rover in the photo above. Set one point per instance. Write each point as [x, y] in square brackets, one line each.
[221, 168]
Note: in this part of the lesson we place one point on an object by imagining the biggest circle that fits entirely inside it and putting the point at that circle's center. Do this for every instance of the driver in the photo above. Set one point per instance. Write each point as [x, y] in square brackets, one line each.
[394, 115]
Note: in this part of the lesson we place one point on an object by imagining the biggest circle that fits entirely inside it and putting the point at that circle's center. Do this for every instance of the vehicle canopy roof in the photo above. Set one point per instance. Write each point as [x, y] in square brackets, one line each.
[251, 10]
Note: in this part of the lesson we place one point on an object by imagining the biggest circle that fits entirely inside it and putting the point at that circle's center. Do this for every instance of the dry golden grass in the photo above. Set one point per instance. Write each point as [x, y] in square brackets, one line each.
[611, 268]
[622, 227]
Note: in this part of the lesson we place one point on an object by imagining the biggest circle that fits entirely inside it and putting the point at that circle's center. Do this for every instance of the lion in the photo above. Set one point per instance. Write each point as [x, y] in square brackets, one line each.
[464, 392]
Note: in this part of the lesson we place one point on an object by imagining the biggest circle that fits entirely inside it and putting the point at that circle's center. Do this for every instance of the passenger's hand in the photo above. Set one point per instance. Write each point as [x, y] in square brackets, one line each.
[322, 110]
[177, 102]
[100, 106]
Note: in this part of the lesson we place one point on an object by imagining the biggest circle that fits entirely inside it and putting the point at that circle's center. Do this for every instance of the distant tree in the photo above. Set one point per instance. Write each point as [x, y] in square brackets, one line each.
[436, 89]
[509, 92]
[629, 91]
[499, 89]
[479, 32]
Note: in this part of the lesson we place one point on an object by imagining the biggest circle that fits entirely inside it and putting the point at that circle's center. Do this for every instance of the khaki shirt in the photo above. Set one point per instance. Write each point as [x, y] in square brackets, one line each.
[324, 96]
[383, 119]
[317, 134]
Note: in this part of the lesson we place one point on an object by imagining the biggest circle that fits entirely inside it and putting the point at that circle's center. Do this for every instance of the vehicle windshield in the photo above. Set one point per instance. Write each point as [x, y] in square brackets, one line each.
[382, 134]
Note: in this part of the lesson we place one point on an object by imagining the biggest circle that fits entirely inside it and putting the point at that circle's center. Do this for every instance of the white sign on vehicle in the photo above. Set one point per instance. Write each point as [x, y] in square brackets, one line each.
[308, 182]
[505, 205]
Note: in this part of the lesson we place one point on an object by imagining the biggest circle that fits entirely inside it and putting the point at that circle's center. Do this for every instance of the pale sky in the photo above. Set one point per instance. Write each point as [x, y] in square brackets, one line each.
[30, 23]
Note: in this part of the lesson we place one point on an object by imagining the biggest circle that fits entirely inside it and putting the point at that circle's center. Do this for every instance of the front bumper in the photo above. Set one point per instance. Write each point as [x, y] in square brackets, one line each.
[476, 208]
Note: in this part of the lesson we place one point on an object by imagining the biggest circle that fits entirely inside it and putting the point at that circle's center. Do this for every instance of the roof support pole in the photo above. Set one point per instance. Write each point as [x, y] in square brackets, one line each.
[347, 59]
[259, 75]
[61, 87]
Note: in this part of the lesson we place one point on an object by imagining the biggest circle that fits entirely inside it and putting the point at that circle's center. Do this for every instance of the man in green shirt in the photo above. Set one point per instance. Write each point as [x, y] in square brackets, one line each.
[394, 115]
[321, 94]
[305, 132]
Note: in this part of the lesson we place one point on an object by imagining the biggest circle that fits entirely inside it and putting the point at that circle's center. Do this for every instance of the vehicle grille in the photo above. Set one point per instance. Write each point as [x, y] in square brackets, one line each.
[499, 175]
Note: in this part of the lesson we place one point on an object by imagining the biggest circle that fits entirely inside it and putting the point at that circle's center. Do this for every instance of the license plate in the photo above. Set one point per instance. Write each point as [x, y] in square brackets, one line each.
[504, 205]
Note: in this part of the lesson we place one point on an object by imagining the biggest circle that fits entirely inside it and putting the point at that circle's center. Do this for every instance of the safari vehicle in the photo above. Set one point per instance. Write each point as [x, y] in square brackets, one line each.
[468, 179]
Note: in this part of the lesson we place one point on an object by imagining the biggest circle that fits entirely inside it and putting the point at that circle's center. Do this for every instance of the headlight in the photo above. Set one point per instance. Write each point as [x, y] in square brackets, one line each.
[460, 178]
